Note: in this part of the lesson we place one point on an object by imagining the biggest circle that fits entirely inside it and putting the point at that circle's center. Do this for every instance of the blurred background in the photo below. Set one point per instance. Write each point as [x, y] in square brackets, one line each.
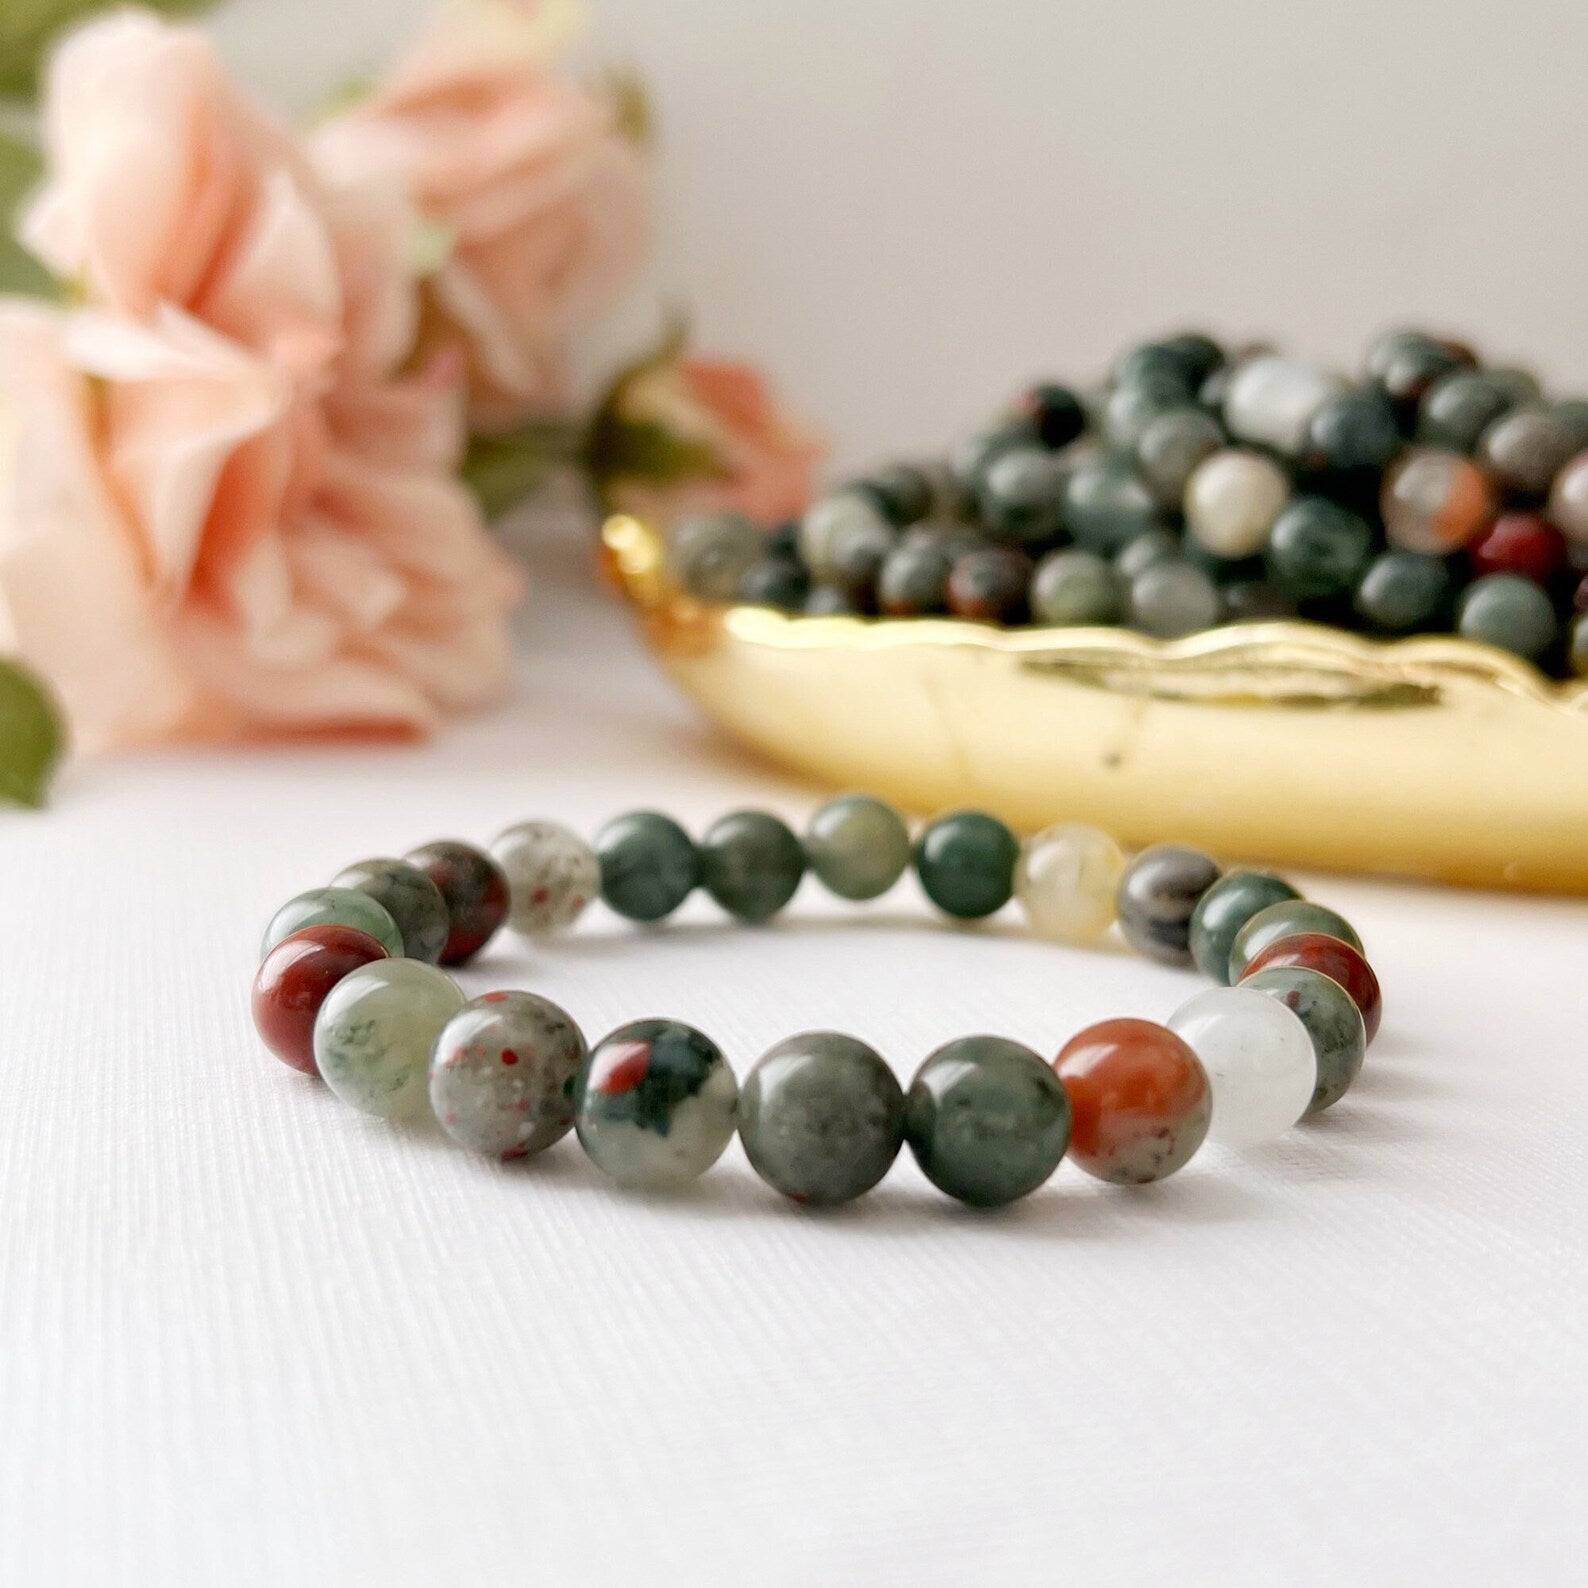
[1043, 184]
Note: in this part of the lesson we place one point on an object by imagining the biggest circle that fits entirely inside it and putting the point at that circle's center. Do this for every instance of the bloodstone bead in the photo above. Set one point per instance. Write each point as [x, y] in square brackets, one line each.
[1106, 506]
[1572, 417]
[1318, 549]
[1525, 450]
[412, 900]
[1172, 598]
[1459, 407]
[1130, 408]
[1152, 545]
[503, 1072]
[1198, 355]
[1076, 587]
[857, 846]
[1224, 909]
[843, 529]
[649, 865]
[1568, 500]
[902, 491]
[708, 553]
[656, 1103]
[1403, 591]
[1350, 441]
[828, 601]
[783, 540]
[1333, 1022]
[1329, 956]
[952, 539]
[971, 455]
[821, 1117]
[987, 1120]
[1286, 919]
[1021, 495]
[1509, 611]
[1158, 895]
[779, 582]
[1524, 543]
[334, 907]
[1171, 447]
[293, 982]
[1272, 400]
[1140, 1103]
[475, 891]
[966, 863]
[751, 864]
[1409, 371]
[1158, 363]
[914, 580]
[1256, 600]
[1056, 412]
[552, 875]
[1577, 646]
[990, 586]
[1435, 502]
[1521, 385]
[856, 554]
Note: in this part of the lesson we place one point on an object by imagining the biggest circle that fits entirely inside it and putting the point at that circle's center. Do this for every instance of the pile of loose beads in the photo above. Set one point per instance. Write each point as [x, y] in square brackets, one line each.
[351, 988]
[1202, 486]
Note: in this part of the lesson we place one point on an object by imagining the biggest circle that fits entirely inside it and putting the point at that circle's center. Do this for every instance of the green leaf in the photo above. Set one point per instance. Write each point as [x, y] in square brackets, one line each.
[19, 270]
[31, 736]
[27, 27]
[641, 449]
[502, 470]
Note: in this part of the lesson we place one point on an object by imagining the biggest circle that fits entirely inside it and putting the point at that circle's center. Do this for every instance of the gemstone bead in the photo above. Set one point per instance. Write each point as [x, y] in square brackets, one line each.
[914, 580]
[1410, 370]
[821, 1117]
[1131, 408]
[848, 516]
[1577, 646]
[412, 900]
[779, 582]
[1066, 881]
[966, 863]
[649, 865]
[990, 585]
[1568, 500]
[1571, 415]
[903, 493]
[1224, 909]
[1403, 591]
[751, 864]
[503, 1072]
[1318, 549]
[1140, 1102]
[1056, 412]
[1332, 958]
[1333, 1022]
[1435, 502]
[376, 1030]
[987, 1120]
[1509, 611]
[1271, 401]
[1232, 500]
[1525, 450]
[475, 891]
[1171, 447]
[552, 875]
[1350, 441]
[1459, 407]
[656, 1104]
[1022, 495]
[828, 601]
[857, 846]
[293, 981]
[1520, 543]
[1076, 587]
[1258, 1058]
[334, 907]
[708, 553]
[1256, 600]
[1106, 506]
[1158, 894]
[1173, 598]
[1152, 545]
[856, 554]
[1285, 919]
[973, 454]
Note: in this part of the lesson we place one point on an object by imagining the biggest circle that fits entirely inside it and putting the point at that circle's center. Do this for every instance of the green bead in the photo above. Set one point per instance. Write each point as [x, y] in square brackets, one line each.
[649, 865]
[1169, 450]
[1173, 598]
[1317, 549]
[966, 863]
[1459, 407]
[709, 553]
[750, 863]
[1021, 494]
[334, 907]
[1224, 909]
[412, 900]
[1106, 506]
[1286, 919]
[1506, 610]
[987, 1120]
[857, 846]
[1577, 652]
[1332, 1019]
[1076, 587]
[1404, 591]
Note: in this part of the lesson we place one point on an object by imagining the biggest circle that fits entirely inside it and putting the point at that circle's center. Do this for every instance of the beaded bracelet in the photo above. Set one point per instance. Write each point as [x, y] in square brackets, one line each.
[350, 988]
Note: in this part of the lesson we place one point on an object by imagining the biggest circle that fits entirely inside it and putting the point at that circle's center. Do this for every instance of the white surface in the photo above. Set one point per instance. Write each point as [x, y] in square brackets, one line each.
[248, 1336]
[905, 208]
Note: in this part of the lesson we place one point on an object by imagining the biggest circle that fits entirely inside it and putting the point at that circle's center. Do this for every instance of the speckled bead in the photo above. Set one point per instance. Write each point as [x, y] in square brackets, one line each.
[1232, 500]
[1021, 495]
[1330, 957]
[1285, 919]
[552, 875]
[821, 1117]
[334, 907]
[1224, 909]
[295, 978]
[903, 493]
[1066, 880]
[375, 1032]
[1404, 591]
[966, 863]
[1140, 1102]
[475, 890]
[857, 846]
[987, 1120]
[1506, 610]
[846, 520]
[1271, 400]
[1350, 441]
[1318, 549]
[855, 555]
[1173, 598]
[1076, 587]
[1333, 1022]
[503, 1072]
[1130, 409]
[649, 865]
[1106, 506]
[709, 553]
[1158, 894]
[412, 900]
[751, 864]
[656, 1104]
[1435, 502]
[1524, 450]
[1169, 450]
[990, 585]
[1459, 407]
[914, 580]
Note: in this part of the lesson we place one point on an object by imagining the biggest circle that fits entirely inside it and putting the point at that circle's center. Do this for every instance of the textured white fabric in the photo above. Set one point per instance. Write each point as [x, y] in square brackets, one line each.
[247, 1336]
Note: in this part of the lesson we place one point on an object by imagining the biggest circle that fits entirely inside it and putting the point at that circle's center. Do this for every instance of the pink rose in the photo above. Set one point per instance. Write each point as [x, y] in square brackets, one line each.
[225, 509]
[540, 203]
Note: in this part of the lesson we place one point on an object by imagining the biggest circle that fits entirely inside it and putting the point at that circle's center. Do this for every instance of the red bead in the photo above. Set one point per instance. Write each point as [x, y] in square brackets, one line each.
[476, 892]
[1524, 543]
[293, 981]
[1332, 958]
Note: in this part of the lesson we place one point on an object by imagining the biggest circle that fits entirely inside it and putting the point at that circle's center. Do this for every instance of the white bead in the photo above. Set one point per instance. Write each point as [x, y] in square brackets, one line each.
[1232, 500]
[1271, 400]
[1259, 1058]
[552, 874]
[1568, 500]
[1066, 881]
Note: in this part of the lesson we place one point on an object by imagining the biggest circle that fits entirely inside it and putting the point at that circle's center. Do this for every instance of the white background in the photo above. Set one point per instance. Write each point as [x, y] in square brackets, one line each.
[248, 1337]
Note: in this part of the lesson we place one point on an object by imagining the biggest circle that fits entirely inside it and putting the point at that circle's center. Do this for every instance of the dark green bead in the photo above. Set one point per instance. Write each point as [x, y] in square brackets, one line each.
[1571, 415]
[1174, 597]
[1520, 385]
[1524, 450]
[1136, 556]
[1404, 591]
[914, 580]
[780, 582]
[902, 492]
[1170, 448]
[1256, 601]
[856, 553]
[1021, 495]
[857, 846]
[1459, 407]
[991, 585]
[1332, 1019]
[1129, 409]
[649, 865]
[1158, 894]
[412, 900]
[1106, 506]
[987, 1120]
[1197, 355]
[1350, 441]
[966, 863]
[1409, 373]
[1076, 587]
[751, 864]
[1224, 909]
[971, 455]
[1163, 364]
[1056, 412]
[1288, 918]
[1507, 610]
[1317, 549]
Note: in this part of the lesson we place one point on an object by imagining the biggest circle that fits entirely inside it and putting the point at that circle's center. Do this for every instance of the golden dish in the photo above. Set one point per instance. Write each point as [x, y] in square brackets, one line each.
[1283, 742]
